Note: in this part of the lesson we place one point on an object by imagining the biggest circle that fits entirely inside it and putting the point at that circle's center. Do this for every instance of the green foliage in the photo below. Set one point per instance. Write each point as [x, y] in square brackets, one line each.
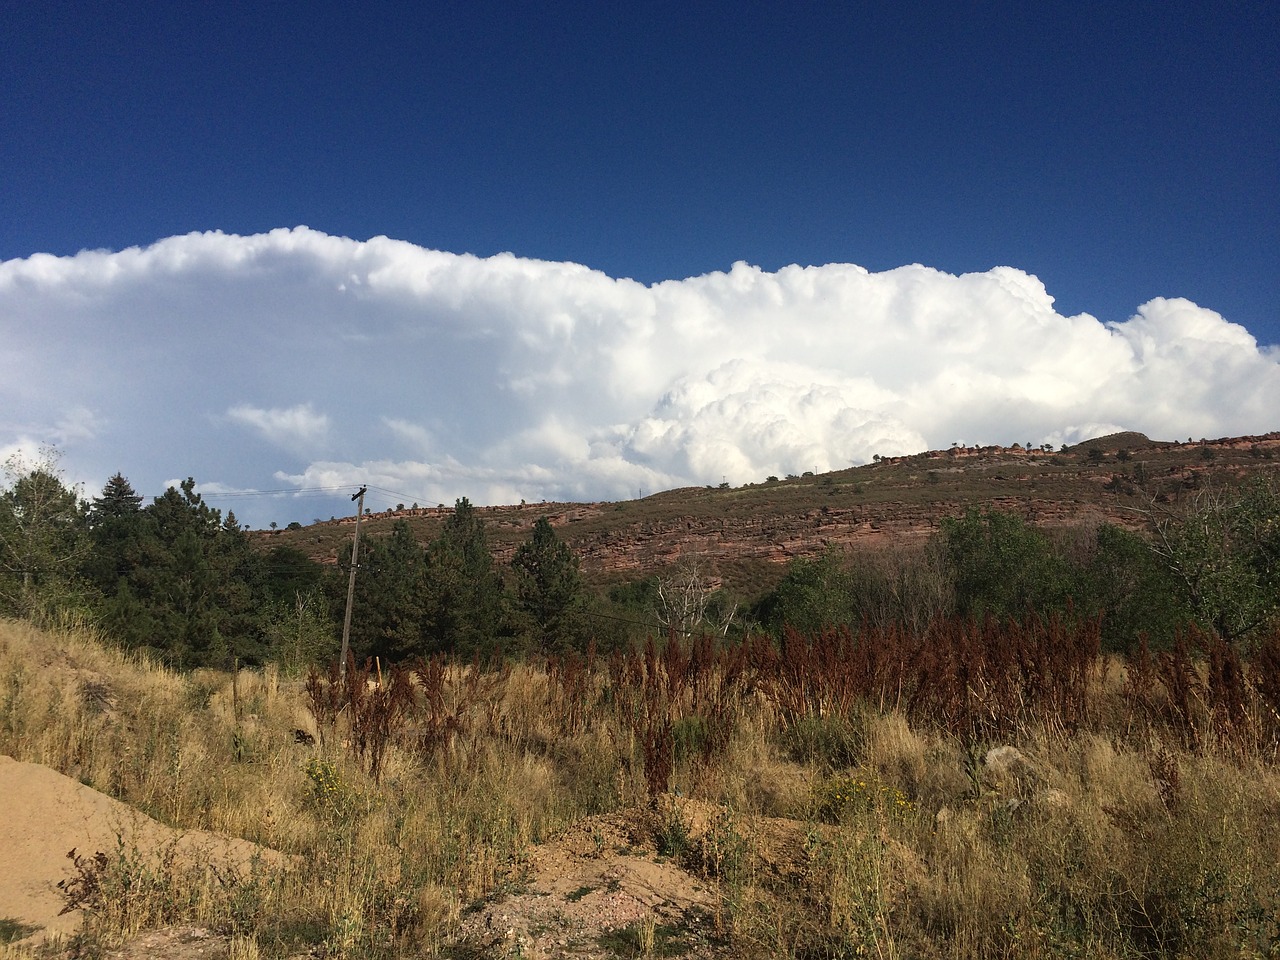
[287, 572]
[117, 527]
[815, 593]
[300, 631]
[1224, 554]
[390, 596]
[884, 586]
[549, 590]
[180, 579]
[465, 601]
[638, 596]
[43, 538]
[176, 577]
[1004, 568]
[1218, 564]
[1133, 591]
[622, 617]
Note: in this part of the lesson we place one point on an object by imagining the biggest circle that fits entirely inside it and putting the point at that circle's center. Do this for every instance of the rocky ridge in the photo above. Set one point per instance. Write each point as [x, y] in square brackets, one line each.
[1117, 479]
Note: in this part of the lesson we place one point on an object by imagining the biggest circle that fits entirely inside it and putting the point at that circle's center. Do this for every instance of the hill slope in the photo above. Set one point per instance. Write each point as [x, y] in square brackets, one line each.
[745, 534]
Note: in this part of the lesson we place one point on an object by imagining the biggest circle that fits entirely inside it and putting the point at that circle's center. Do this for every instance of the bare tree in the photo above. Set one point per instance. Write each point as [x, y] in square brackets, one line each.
[684, 602]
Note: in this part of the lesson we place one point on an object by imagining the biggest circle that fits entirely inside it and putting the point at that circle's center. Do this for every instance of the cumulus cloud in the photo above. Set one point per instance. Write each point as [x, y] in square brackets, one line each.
[438, 375]
[298, 427]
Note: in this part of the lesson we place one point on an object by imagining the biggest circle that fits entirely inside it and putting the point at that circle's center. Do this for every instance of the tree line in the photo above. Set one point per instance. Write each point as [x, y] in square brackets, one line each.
[1212, 563]
[180, 579]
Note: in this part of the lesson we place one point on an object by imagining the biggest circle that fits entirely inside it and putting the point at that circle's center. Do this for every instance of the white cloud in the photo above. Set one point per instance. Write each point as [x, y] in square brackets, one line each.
[745, 418]
[413, 435]
[76, 424]
[443, 375]
[293, 428]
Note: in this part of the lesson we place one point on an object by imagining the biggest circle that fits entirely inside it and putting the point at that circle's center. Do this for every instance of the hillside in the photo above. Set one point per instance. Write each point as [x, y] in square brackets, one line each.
[745, 534]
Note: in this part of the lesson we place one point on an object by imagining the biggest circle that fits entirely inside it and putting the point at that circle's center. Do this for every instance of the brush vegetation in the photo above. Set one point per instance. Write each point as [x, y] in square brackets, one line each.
[984, 789]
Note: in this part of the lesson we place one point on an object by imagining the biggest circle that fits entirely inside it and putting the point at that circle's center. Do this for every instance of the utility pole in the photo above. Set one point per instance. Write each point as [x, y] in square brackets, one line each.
[351, 583]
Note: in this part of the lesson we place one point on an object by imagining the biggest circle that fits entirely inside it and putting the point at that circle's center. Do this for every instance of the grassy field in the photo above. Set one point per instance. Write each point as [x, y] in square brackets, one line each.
[984, 791]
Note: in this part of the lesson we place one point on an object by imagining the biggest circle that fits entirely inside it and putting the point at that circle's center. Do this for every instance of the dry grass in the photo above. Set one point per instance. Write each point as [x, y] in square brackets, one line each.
[858, 825]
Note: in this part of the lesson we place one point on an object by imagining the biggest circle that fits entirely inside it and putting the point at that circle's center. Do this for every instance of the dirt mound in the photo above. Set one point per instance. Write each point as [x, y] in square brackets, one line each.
[591, 886]
[608, 882]
[48, 815]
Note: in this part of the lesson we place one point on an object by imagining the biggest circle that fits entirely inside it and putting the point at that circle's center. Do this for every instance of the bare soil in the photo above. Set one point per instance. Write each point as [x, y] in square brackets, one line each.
[599, 889]
[47, 815]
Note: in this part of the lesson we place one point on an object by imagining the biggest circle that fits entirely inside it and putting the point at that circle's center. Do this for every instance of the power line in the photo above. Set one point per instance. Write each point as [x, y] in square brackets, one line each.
[404, 497]
[293, 492]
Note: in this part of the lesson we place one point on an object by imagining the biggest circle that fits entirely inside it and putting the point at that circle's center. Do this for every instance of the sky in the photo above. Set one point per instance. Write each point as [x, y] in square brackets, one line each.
[583, 251]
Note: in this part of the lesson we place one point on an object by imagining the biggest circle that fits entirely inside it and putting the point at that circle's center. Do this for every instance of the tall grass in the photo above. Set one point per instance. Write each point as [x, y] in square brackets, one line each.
[842, 793]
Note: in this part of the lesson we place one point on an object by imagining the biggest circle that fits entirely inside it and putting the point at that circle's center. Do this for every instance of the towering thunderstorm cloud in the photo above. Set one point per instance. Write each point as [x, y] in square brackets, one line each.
[298, 358]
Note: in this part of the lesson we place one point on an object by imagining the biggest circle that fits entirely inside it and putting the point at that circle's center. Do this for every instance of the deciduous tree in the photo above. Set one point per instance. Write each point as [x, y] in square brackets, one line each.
[1224, 553]
[43, 536]
[1005, 568]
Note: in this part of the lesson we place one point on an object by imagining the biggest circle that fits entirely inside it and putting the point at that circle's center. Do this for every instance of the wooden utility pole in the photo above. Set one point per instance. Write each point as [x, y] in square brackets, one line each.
[351, 583]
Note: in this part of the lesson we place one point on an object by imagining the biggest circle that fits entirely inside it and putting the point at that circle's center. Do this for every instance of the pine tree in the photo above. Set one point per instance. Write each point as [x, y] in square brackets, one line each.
[465, 599]
[118, 500]
[117, 528]
[199, 581]
[390, 599]
[549, 588]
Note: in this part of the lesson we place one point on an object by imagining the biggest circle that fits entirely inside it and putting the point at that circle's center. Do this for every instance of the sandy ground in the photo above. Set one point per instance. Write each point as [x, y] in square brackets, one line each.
[585, 894]
[590, 891]
[593, 881]
[46, 815]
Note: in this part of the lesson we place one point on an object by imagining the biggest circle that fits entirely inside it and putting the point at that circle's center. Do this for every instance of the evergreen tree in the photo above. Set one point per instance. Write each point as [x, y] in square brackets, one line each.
[199, 582]
[390, 598]
[288, 572]
[118, 501]
[297, 622]
[464, 599]
[117, 527]
[240, 593]
[549, 588]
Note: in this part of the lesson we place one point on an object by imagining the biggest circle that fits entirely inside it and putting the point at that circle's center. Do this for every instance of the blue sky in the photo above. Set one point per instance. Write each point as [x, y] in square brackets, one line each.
[1115, 153]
